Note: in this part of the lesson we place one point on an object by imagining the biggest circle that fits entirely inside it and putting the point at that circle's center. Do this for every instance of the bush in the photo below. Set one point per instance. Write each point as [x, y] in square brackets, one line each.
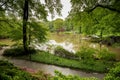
[91, 53]
[17, 51]
[60, 76]
[86, 53]
[42, 76]
[61, 52]
[10, 72]
[104, 54]
[114, 73]
[116, 45]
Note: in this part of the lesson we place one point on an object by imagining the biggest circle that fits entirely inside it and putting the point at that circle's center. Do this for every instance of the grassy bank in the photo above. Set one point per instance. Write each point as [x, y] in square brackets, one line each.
[86, 65]
[89, 64]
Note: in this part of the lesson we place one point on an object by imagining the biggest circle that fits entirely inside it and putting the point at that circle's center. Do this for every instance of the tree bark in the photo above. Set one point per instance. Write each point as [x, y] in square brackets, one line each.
[25, 19]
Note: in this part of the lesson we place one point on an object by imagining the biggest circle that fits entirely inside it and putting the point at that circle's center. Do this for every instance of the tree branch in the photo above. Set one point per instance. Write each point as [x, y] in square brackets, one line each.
[3, 4]
[104, 6]
[6, 21]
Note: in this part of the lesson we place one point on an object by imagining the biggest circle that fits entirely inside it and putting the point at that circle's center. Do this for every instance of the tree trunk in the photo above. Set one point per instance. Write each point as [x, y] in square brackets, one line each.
[25, 19]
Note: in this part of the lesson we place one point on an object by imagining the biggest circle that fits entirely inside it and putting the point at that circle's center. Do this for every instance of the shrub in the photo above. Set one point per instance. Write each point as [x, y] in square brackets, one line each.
[17, 51]
[42, 76]
[91, 53]
[86, 53]
[104, 54]
[116, 45]
[60, 76]
[10, 72]
[61, 52]
[114, 73]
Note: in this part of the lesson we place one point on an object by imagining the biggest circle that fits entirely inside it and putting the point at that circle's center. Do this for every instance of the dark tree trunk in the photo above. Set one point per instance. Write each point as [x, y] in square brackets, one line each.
[25, 19]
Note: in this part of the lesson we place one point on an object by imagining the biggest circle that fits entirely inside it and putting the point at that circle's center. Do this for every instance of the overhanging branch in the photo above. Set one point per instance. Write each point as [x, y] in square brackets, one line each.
[6, 21]
[104, 6]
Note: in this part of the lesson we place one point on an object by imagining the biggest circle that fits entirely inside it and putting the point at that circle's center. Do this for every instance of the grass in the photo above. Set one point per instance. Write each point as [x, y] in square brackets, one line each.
[86, 65]
[6, 42]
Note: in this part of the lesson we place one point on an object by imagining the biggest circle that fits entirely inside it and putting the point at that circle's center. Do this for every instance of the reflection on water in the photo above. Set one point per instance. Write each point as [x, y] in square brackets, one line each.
[79, 41]
[116, 51]
[69, 42]
[72, 43]
[52, 44]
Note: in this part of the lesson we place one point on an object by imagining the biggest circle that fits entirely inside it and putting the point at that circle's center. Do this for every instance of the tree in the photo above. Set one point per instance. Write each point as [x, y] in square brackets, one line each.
[90, 5]
[28, 9]
[68, 24]
[58, 25]
[97, 14]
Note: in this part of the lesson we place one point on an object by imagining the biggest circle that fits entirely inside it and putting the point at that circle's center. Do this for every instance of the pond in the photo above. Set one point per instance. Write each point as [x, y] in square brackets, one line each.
[72, 43]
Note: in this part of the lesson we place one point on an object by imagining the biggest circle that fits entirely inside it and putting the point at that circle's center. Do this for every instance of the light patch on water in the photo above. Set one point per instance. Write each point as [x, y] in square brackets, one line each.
[93, 45]
[50, 46]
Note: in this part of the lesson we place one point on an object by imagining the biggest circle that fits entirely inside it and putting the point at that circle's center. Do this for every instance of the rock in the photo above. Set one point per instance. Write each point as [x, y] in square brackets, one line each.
[1, 48]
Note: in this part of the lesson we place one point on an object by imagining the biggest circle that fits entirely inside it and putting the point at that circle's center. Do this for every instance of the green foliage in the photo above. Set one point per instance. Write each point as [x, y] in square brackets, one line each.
[87, 65]
[61, 52]
[83, 64]
[91, 53]
[60, 76]
[4, 28]
[114, 73]
[86, 53]
[104, 54]
[42, 76]
[28, 10]
[40, 11]
[58, 24]
[17, 51]
[101, 16]
[37, 30]
[116, 45]
[15, 32]
[10, 72]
